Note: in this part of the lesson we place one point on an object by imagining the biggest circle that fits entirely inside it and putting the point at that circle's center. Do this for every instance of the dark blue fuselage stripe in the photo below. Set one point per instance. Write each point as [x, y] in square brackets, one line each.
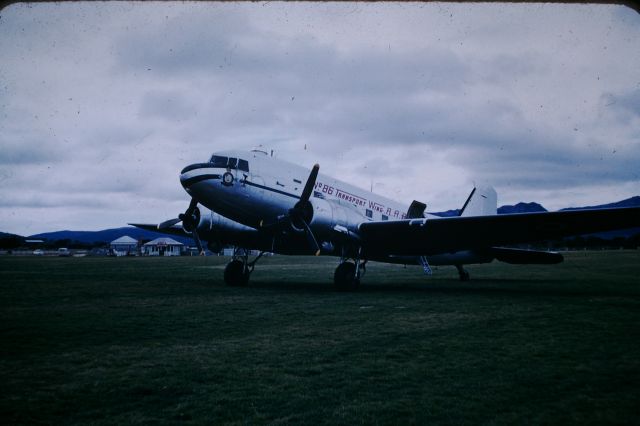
[200, 166]
[199, 178]
[269, 189]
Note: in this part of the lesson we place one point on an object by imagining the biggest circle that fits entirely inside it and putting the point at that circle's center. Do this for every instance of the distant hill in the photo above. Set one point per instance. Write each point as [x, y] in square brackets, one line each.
[518, 208]
[629, 202]
[7, 235]
[448, 213]
[10, 241]
[535, 207]
[521, 208]
[108, 235]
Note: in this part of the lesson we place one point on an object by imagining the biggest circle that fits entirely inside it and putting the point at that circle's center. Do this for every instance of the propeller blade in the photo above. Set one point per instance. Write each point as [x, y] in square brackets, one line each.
[168, 223]
[311, 182]
[192, 205]
[194, 219]
[311, 239]
[196, 238]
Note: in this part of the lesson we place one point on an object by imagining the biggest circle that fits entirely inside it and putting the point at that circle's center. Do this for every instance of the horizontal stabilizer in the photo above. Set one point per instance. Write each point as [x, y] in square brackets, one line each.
[526, 257]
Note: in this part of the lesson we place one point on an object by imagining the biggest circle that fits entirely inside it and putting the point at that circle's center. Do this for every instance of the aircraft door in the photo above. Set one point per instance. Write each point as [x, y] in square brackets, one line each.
[339, 216]
[252, 182]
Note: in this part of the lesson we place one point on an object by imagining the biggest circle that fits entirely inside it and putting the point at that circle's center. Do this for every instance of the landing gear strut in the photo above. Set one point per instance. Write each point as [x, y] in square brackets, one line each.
[464, 274]
[347, 275]
[237, 272]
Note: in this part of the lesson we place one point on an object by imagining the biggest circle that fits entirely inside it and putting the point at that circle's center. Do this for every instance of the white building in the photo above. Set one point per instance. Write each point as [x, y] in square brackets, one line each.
[162, 247]
[124, 246]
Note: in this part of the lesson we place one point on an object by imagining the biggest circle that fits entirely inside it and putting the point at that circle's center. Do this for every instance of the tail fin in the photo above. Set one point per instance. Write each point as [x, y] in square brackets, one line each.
[481, 202]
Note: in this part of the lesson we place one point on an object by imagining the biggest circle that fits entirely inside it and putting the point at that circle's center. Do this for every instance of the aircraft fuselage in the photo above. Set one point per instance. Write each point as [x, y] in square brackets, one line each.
[265, 187]
[259, 202]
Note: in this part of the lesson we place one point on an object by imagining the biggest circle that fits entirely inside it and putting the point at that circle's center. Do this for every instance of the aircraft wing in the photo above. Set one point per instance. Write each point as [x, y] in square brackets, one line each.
[449, 234]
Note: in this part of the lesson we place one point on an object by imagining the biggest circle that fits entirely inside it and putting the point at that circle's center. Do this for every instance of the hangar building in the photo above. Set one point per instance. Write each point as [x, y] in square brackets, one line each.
[163, 247]
[124, 246]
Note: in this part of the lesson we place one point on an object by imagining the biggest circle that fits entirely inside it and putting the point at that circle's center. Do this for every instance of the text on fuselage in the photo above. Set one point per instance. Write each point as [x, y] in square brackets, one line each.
[358, 200]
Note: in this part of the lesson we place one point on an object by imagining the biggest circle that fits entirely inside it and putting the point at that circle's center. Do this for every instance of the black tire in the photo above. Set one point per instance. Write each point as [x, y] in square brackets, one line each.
[344, 277]
[464, 275]
[235, 274]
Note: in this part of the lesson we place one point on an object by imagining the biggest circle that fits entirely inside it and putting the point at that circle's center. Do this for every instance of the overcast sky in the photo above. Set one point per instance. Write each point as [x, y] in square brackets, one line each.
[102, 104]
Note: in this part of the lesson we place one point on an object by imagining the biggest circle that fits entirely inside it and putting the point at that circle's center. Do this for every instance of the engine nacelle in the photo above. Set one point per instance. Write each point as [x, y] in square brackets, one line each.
[329, 214]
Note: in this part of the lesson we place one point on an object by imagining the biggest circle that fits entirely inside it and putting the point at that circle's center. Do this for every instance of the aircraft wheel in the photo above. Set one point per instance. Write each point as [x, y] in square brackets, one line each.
[235, 274]
[464, 274]
[345, 277]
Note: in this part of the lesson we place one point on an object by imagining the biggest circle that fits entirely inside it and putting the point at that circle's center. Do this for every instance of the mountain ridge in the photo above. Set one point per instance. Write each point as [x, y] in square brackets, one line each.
[107, 235]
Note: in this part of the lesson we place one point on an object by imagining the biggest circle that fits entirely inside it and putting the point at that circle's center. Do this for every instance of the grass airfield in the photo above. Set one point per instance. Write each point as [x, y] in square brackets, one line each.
[148, 340]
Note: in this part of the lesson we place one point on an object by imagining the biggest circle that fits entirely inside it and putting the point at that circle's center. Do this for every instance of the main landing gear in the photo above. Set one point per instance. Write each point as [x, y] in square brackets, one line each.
[347, 275]
[237, 272]
[464, 274]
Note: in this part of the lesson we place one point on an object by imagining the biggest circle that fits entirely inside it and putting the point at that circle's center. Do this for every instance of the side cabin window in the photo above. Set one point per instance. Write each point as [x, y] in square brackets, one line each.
[385, 217]
[233, 163]
[243, 165]
[369, 213]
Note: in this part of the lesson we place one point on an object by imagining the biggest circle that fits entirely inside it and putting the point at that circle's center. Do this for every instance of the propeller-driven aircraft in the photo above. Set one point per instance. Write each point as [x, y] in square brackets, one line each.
[253, 201]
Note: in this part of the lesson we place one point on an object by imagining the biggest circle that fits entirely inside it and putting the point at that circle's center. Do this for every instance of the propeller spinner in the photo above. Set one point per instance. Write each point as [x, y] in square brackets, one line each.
[190, 220]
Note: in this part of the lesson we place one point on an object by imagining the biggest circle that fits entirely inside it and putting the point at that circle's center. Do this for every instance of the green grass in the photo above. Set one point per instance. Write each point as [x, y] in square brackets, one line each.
[142, 340]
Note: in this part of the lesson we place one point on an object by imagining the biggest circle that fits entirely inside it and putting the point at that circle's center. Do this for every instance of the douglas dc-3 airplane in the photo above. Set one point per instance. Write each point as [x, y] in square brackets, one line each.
[257, 202]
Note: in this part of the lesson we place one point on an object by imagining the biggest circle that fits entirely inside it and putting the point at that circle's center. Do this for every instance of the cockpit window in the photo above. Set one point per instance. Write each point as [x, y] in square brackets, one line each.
[218, 161]
[229, 162]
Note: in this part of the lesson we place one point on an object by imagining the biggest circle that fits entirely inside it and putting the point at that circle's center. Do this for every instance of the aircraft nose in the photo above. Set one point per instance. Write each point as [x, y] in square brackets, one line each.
[195, 173]
[184, 180]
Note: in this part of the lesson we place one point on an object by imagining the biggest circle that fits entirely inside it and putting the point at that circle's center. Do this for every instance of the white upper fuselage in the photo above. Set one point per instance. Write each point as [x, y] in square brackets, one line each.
[264, 188]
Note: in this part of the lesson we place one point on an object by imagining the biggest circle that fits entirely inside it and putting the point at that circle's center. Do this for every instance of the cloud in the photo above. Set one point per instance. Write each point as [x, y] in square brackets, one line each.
[166, 105]
[626, 106]
[18, 149]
